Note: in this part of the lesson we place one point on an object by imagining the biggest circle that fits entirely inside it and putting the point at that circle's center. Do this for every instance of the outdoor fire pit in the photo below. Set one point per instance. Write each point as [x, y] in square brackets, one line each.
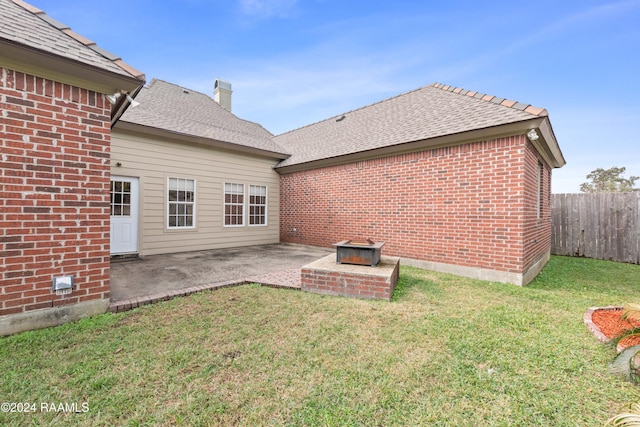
[358, 251]
[328, 277]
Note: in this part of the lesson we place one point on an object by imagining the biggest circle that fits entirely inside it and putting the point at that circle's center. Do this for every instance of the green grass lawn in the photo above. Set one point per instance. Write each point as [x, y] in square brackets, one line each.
[447, 351]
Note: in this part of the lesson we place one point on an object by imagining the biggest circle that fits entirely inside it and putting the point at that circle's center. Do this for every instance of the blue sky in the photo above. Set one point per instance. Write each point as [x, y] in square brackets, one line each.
[295, 62]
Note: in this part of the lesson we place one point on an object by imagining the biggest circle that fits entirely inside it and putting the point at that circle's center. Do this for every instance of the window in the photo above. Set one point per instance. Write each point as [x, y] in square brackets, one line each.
[233, 204]
[257, 205]
[182, 200]
[120, 198]
[540, 189]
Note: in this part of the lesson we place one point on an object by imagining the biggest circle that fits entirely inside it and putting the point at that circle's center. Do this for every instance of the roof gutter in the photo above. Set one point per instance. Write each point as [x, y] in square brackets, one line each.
[44, 64]
[547, 146]
[49, 65]
[186, 138]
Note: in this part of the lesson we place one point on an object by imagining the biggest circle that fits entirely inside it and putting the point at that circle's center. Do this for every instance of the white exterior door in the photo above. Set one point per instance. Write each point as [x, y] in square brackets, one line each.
[124, 215]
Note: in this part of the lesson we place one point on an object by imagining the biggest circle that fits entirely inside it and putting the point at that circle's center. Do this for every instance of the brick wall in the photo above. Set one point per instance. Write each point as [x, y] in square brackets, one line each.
[463, 205]
[348, 284]
[54, 192]
[537, 231]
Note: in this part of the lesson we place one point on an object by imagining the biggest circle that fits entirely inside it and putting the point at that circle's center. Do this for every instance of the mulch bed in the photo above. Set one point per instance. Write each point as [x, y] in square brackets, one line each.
[610, 323]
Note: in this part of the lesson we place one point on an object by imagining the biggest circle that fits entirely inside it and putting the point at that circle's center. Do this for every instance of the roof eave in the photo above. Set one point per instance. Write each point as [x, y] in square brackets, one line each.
[182, 137]
[35, 61]
[548, 147]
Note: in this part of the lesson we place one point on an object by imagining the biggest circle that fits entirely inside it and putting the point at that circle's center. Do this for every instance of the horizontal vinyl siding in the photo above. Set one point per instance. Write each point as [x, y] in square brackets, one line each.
[154, 160]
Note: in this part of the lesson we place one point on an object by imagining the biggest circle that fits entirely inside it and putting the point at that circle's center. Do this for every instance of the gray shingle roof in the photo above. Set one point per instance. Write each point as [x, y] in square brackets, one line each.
[25, 24]
[172, 108]
[429, 112]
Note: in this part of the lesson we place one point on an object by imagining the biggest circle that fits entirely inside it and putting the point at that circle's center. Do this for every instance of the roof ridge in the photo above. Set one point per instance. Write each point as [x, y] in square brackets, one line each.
[527, 108]
[65, 29]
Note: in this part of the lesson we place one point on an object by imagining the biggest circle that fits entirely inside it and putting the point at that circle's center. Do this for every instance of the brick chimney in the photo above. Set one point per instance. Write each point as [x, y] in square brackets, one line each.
[222, 93]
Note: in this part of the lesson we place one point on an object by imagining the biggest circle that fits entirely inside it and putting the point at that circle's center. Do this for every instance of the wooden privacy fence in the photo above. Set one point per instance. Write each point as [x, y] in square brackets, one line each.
[599, 225]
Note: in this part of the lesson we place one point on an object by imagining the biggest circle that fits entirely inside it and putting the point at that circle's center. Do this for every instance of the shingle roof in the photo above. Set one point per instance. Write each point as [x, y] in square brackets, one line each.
[172, 108]
[429, 112]
[25, 24]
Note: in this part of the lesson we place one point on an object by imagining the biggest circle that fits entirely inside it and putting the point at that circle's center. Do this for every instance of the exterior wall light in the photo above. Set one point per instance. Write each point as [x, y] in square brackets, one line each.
[114, 98]
[132, 101]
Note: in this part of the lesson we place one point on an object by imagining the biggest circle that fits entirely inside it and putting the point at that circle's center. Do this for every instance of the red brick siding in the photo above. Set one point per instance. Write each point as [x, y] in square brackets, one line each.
[54, 192]
[348, 284]
[537, 232]
[462, 205]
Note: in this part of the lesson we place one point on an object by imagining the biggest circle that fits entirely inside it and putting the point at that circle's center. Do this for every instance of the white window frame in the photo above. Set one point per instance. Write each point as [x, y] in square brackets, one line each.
[254, 205]
[234, 186]
[192, 203]
[122, 198]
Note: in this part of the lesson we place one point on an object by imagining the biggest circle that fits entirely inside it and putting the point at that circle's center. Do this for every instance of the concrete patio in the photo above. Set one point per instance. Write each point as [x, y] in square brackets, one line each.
[140, 281]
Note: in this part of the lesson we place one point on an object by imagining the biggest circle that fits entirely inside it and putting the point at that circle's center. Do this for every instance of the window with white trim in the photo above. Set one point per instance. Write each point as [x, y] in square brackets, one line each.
[257, 205]
[233, 204]
[181, 200]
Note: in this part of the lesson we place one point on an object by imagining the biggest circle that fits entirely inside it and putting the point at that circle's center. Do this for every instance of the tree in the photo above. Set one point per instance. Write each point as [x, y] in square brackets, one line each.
[609, 181]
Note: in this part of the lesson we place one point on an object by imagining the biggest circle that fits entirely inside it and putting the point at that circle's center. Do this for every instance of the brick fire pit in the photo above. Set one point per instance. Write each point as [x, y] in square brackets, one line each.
[327, 277]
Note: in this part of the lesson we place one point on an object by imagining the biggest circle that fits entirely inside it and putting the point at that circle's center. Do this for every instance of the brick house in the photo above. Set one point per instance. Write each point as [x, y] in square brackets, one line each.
[54, 168]
[451, 180]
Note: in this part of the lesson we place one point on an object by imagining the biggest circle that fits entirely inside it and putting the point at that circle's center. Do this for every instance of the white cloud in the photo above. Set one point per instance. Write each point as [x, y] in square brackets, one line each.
[348, 64]
[534, 34]
[283, 98]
